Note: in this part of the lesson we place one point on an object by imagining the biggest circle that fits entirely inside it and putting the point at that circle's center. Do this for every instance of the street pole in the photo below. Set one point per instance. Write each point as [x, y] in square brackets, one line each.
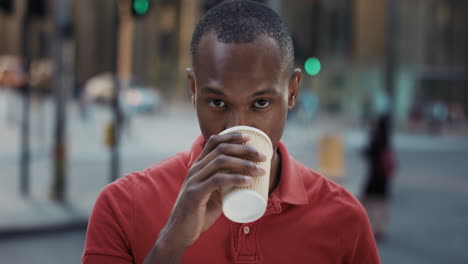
[123, 70]
[390, 54]
[61, 22]
[26, 94]
[115, 141]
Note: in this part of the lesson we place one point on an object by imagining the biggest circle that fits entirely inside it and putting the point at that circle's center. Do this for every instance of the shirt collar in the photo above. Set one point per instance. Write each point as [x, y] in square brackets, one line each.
[196, 150]
[291, 187]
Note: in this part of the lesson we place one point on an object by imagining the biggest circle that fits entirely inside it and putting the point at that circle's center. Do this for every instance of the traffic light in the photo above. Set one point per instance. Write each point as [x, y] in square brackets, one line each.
[140, 7]
[6, 6]
[312, 66]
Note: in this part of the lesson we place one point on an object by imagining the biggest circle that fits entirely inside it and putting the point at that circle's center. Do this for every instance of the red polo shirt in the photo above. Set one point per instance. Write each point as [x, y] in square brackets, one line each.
[309, 219]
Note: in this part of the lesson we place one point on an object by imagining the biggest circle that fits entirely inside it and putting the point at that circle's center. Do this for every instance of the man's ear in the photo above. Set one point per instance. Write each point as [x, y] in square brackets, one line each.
[293, 88]
[191, 79]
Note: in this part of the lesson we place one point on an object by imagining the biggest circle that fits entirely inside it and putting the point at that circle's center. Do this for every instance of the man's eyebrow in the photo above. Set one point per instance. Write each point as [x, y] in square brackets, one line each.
[213, 91]
[265, 91]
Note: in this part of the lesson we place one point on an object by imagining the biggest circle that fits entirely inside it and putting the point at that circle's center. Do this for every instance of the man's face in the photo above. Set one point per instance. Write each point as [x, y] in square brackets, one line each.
[242, 84]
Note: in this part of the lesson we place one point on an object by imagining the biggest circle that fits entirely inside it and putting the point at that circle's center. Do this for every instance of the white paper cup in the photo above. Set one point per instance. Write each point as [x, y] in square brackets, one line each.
[248, 204]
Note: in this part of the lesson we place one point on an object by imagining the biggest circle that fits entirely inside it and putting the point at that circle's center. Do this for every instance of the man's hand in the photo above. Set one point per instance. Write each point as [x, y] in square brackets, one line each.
[222, 163]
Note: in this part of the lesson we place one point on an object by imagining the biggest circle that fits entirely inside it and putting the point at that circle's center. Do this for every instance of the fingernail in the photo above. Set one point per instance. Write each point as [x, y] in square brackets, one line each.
[263, 157]
[261, 170]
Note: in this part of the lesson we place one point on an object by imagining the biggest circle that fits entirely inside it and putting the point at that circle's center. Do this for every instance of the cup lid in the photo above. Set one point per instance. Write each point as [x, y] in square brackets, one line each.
[244, 206]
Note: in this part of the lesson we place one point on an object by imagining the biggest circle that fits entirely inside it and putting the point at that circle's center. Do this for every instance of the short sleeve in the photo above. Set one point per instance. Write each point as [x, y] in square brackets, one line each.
[109, 235]
[357, 240]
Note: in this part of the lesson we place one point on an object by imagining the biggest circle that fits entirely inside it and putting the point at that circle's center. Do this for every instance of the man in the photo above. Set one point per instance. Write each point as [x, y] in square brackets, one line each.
[242, 74]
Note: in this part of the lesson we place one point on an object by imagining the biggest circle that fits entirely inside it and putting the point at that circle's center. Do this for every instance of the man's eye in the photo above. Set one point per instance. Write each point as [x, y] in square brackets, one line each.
[262, 103]
[217, 103]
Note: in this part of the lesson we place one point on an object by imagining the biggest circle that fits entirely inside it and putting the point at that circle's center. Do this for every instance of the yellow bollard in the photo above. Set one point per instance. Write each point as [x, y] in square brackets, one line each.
[331, 156]
[109, 135]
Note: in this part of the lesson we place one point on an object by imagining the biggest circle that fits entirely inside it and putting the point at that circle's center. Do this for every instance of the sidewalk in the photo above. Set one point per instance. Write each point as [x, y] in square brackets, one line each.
[151, 139]
[88, 166]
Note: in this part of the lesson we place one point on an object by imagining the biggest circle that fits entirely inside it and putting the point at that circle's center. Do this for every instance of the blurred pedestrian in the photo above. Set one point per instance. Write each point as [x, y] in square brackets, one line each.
[381, 166]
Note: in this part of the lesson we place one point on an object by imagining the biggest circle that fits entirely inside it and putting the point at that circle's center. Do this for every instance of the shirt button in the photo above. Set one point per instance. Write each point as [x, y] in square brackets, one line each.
[246, 230]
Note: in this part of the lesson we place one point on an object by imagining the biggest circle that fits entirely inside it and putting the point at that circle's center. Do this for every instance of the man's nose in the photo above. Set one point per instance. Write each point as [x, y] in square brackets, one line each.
[238, 118]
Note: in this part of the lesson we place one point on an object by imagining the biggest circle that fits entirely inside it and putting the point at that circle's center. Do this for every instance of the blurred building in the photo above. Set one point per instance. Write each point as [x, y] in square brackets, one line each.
[159, 46]
[95, 36]
[348, 36]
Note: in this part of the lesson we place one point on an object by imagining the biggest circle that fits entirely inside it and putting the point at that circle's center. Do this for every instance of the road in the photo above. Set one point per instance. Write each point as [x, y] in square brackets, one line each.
[429, 210]
[48, 249]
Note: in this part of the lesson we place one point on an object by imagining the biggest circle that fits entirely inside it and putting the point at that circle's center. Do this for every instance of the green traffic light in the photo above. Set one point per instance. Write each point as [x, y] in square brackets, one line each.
[312, 66]
[140, 7]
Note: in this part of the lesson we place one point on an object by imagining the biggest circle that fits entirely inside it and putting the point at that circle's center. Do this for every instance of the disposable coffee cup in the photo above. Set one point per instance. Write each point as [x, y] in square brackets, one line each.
[248, 203]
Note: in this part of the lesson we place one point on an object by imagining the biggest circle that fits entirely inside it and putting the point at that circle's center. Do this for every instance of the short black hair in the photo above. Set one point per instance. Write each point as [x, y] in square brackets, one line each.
[243, 21]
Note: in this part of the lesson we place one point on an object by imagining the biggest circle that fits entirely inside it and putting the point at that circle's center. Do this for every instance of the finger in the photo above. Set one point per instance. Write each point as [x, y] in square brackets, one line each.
[233, 150]
[215, 140]
[202, 192]
[224, 180]
[223, 163]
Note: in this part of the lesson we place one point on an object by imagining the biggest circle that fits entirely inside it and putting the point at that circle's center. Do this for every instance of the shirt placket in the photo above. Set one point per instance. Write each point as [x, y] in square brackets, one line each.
[247, 244]
[247, 238]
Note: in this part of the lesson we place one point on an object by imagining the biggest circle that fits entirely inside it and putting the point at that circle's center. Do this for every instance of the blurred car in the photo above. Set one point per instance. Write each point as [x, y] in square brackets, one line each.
[134, 98]
[140, 100]
[11, 72]
[99, 88]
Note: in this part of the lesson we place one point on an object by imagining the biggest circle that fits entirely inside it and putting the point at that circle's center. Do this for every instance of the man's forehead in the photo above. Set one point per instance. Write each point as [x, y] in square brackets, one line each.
[259, 57]
[211, 47]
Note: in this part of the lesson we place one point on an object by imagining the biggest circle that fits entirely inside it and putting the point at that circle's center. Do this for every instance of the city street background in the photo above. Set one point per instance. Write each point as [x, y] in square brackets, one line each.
[72, 71]
[428, 209]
